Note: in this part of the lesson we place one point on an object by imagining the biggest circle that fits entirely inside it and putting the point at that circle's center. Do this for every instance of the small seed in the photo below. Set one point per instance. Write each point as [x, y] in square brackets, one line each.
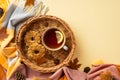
[56, 61]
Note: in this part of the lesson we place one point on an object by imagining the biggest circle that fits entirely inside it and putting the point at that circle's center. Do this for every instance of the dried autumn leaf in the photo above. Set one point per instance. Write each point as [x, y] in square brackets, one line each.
[3, 34]
[29, 2]
[41, 60]
[118, 68]
[63, 78]
[74, 64]
[106, 76]
[2, 72]
[37, 78]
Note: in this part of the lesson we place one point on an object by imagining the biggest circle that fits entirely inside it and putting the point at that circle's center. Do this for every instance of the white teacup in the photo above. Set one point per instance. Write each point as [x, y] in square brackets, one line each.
[53, 39]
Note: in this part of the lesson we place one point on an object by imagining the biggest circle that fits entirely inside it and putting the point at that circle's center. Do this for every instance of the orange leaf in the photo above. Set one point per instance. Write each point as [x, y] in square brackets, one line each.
[29, 2]
[3, 34]
[106, 76]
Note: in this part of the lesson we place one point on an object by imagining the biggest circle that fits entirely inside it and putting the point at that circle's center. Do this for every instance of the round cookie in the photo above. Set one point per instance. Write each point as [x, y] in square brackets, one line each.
[32, 37]
[35, 52]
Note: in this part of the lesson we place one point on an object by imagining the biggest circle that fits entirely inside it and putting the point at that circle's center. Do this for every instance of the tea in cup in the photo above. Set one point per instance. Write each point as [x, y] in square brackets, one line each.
[54, 39]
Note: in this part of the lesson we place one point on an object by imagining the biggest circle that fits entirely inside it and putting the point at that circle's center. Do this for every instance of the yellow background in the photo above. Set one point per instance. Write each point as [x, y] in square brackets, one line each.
[96, 26]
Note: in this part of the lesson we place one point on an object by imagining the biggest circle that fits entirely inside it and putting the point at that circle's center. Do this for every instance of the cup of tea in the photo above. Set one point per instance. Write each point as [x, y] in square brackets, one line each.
[53, 39]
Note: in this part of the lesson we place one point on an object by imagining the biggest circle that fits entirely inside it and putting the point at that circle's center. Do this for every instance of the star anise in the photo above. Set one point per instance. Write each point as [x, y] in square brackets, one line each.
[74, 64]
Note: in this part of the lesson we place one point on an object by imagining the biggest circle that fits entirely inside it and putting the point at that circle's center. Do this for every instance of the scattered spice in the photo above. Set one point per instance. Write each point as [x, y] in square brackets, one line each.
[56, 61]
[86, 69]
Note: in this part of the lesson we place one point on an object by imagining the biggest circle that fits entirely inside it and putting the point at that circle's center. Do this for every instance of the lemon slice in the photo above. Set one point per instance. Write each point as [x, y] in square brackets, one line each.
[59, 36]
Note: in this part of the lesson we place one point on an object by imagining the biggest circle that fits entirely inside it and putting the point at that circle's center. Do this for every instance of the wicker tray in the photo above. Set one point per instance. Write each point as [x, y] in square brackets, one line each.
[50, 60]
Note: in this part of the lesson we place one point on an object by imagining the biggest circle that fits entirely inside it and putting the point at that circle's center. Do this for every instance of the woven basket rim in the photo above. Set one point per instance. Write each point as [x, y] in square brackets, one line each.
[32, 65]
